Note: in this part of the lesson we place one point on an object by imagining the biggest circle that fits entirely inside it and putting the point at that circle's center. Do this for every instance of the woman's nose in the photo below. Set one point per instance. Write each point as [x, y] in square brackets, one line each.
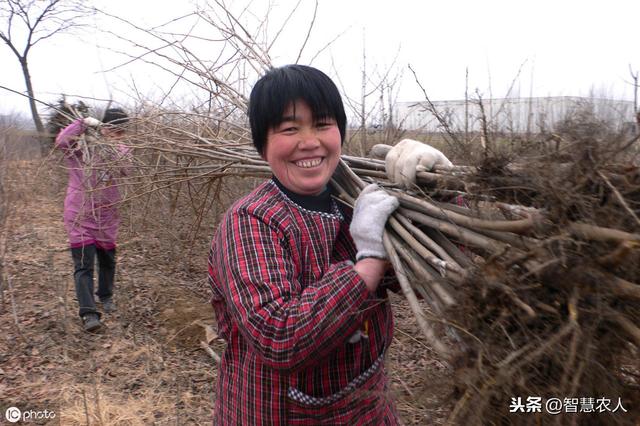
[308, 139]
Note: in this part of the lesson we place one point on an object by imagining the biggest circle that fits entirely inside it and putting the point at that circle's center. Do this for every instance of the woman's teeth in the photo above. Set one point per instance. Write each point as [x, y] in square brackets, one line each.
[308, 163]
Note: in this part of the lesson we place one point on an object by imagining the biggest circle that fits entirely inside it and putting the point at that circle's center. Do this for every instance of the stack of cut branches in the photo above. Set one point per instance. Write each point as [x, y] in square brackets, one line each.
[535, 279]
[63, 114]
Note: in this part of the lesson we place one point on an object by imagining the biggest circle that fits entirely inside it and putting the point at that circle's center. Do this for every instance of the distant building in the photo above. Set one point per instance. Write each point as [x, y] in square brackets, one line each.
[518, 115]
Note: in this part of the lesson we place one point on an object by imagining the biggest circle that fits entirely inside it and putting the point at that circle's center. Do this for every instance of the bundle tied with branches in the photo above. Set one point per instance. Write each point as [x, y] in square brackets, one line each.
[535, 280]
[63, 114]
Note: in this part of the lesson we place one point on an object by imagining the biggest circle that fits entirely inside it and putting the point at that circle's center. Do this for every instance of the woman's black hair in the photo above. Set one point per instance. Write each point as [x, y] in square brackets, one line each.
[115, 117]
[280, 87]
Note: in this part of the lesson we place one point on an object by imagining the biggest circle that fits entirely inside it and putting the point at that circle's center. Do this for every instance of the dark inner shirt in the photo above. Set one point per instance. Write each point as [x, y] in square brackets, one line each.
[316, 203]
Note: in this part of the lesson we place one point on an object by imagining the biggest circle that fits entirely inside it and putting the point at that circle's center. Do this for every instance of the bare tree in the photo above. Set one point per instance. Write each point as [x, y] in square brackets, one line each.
[25, 23]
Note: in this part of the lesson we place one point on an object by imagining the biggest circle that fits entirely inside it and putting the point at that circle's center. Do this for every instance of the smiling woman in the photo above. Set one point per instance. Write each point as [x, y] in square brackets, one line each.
[295, 291]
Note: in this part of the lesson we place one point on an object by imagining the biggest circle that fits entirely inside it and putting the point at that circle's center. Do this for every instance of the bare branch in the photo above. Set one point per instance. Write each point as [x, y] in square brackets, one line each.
[284, 24]
[313, 20]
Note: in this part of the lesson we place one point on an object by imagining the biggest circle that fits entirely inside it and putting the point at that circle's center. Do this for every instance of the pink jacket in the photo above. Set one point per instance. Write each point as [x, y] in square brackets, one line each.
[91, 204]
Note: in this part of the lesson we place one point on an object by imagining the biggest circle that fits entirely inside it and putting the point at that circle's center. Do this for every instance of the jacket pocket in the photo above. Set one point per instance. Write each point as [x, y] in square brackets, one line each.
[363, 401]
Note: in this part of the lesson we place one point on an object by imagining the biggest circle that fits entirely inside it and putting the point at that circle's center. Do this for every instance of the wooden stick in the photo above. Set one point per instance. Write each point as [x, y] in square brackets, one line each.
[598, 233]
[428, 242]
[464, 235]
[452, 250]
[442, 266]
[426, 274]
[440, 212]
[428, 332]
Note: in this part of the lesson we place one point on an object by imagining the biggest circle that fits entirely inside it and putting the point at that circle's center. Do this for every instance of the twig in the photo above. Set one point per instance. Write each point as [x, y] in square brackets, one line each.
[14, 310]
[86, 408]
[211, 352]
[627, 326]
[619, 197]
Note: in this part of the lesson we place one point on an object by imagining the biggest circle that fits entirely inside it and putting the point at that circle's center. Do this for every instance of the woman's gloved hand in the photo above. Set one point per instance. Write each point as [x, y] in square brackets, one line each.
[91, 122]
[372, 209]
[408, 157]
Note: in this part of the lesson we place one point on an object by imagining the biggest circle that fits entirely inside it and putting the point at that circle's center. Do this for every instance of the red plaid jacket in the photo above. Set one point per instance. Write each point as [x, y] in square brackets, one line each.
[305, 339]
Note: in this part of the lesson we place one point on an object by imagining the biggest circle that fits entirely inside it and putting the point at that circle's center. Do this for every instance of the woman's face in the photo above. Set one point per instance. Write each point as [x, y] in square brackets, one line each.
[302, 154]
[113, 133]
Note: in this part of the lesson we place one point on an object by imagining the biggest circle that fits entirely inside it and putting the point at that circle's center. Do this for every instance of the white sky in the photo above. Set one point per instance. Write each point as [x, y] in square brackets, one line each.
[561, 47]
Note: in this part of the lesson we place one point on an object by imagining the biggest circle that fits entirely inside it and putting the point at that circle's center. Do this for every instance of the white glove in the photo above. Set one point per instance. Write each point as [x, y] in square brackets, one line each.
[91, 122]
[409, 156]
[370, 215]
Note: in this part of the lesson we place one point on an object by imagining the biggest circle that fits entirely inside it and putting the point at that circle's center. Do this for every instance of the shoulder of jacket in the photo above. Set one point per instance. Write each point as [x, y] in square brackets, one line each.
[265, 203]
[265, 196]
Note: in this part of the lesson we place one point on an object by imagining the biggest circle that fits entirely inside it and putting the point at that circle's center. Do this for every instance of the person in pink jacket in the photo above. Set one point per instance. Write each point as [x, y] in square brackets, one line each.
[91, 205]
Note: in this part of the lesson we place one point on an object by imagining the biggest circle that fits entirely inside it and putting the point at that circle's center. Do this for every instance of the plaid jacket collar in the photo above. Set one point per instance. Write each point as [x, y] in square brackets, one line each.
[322, 203]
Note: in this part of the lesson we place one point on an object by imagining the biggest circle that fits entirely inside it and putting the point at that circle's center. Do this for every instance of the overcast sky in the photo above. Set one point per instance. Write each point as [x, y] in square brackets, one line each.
[559, 47]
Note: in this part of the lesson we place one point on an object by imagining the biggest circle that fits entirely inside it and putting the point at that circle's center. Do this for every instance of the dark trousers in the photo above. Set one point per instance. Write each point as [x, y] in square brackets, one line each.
[83, 262]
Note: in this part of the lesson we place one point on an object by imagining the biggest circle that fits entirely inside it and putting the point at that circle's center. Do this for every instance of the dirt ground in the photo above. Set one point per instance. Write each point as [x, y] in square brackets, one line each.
[147, 366]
